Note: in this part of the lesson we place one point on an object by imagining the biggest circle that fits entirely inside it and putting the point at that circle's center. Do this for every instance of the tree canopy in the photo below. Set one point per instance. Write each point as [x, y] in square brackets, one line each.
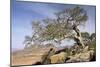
[65, 25]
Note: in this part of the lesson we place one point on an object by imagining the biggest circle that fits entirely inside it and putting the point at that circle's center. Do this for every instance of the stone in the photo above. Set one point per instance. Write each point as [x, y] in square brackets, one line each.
[81, 57]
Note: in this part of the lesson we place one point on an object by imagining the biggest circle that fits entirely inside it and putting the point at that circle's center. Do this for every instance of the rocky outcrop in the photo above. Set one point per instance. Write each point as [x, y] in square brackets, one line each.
[84, 56]
[46, 56]
[61, 56]
[81, 55]
[52, 55]
[58, 58]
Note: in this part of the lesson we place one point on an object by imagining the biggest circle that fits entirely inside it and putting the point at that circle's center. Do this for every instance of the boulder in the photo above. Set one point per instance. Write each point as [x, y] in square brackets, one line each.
[86, 49]
[82, 57]
[58, 58]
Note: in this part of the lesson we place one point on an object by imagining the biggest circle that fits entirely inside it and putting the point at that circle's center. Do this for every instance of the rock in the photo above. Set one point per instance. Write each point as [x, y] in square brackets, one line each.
[37, 63]
[82, 57]
[46, 56]
[86, 49]
[58, 58]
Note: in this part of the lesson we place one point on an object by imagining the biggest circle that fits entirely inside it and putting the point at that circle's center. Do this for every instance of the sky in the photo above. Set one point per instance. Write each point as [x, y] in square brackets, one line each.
[23, 13]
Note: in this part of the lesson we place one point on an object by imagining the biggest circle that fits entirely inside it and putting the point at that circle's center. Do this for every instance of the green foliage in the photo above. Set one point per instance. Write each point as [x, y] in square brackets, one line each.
[61, 26]
[27, 40]
[88, 36]
[79, 14]
[55, 30]
[93, 36]
[85, 35]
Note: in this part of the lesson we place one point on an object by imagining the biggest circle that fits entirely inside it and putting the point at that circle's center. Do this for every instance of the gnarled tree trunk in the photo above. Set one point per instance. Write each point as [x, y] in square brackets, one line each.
[78, 37]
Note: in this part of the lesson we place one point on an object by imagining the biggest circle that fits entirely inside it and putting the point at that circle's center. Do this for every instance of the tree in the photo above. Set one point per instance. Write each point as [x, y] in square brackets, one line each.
[93, 36]
[30, 40]
[86, 38]
[27, 41]
[85, 35]
[65, 25]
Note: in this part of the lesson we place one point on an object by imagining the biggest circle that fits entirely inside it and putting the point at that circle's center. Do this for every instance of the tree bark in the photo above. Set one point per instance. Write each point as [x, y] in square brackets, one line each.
[78, 37]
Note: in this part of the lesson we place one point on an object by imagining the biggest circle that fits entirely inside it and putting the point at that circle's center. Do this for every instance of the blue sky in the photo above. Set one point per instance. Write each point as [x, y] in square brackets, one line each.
[23, 13]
